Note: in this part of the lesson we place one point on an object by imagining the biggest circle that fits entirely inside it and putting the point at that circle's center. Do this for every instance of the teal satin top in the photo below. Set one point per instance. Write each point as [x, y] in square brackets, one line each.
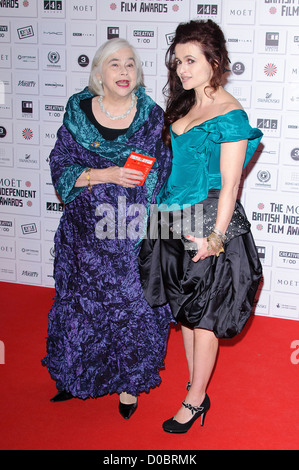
[196, 157]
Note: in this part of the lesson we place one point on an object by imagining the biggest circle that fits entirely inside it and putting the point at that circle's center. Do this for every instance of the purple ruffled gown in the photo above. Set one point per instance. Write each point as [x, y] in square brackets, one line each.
[103, 337]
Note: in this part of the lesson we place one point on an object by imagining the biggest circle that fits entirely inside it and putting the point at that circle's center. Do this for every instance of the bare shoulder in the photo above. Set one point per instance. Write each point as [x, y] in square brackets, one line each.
[228, 102]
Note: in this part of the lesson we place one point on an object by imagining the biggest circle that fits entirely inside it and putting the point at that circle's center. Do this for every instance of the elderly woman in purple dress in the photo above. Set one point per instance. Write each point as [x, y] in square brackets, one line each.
[103, 337]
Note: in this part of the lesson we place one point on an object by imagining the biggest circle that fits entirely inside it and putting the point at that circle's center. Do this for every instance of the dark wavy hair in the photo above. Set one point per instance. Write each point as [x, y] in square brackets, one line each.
[210, 38]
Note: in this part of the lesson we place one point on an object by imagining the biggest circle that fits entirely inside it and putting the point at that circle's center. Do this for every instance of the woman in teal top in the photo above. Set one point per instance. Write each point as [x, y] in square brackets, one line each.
[196, 157]
[208, 275]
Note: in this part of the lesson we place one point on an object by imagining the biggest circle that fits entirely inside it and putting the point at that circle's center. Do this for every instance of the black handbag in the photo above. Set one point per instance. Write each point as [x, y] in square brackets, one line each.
[199, 221]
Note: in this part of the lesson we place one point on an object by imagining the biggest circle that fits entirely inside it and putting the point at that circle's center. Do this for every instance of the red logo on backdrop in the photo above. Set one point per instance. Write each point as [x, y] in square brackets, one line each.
[27, 133]
[270, 70]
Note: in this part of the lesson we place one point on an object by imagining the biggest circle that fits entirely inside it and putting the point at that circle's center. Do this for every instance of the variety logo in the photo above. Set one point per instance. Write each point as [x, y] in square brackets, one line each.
[27, 83]
[28, 273]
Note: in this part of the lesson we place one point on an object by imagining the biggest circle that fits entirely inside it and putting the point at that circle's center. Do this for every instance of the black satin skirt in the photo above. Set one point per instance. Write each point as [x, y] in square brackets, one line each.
[216, 293]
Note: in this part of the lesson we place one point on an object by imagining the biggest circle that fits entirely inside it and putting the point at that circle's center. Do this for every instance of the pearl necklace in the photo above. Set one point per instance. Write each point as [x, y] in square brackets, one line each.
[122, 116]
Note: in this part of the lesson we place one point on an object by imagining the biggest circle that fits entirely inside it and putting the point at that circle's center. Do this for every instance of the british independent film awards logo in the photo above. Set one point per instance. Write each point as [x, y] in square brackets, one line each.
[283, 7]
[144, 7]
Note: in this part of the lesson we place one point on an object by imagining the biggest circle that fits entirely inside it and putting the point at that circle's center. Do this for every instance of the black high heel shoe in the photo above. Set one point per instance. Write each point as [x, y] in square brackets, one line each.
[173, 426]
[62, 395]
[127, 410]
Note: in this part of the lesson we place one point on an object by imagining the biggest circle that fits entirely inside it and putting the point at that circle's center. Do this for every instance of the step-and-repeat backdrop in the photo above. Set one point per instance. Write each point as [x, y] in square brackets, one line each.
[46, 49]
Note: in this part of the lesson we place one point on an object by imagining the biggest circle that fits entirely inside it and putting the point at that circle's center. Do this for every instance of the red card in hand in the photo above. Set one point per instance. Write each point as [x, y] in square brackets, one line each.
[137, 161]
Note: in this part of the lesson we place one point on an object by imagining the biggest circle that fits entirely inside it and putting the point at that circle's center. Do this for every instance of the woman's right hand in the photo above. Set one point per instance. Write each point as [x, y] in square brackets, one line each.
[125, 177]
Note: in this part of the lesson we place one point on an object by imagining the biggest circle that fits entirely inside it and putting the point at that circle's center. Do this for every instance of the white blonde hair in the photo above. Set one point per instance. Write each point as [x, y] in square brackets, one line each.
[104, 51]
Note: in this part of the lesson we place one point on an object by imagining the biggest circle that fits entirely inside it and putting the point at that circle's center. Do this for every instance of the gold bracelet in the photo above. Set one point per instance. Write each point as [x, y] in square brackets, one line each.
[215, 243]
[87, 171]
[220, 234]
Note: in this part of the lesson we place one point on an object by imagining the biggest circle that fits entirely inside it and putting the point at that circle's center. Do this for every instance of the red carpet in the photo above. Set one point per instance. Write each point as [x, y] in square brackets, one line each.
[253, 391]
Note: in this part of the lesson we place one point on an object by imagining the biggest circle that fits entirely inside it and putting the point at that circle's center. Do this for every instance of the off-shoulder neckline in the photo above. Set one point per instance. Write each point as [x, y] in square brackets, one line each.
[205, 122]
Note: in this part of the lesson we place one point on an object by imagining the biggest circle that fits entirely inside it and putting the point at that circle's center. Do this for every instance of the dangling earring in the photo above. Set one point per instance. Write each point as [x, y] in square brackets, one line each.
[100, 82]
